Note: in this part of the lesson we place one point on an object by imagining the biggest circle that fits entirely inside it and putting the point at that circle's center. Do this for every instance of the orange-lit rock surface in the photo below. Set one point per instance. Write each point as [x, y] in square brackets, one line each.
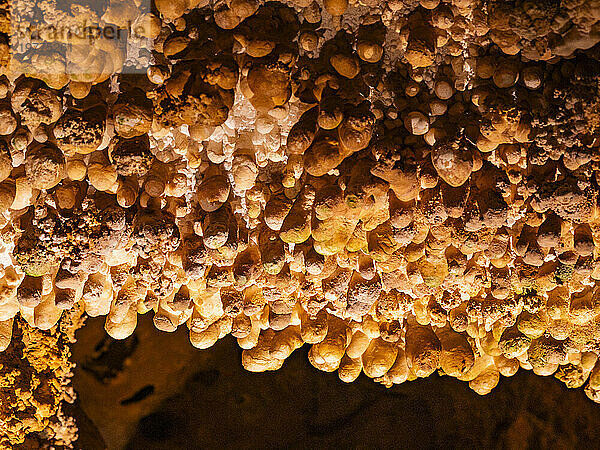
[35, 390]
[407, 187]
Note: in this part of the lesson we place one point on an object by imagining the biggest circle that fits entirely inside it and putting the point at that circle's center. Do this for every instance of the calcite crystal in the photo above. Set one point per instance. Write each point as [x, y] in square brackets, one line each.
[408, 187]
[35, 373]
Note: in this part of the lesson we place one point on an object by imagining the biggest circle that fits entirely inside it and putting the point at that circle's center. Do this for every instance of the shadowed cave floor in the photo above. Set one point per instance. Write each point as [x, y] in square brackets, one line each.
[155, 391]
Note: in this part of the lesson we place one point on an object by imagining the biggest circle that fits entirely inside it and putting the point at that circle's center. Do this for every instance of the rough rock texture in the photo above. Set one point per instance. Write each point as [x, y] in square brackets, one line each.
[407, 187]
[35, 376]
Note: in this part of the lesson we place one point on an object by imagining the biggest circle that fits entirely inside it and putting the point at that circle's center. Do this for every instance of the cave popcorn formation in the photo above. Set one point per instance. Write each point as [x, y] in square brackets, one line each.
[406, 186]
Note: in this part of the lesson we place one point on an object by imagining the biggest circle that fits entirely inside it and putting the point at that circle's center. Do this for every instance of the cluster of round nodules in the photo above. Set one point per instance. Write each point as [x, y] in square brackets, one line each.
[404, 207]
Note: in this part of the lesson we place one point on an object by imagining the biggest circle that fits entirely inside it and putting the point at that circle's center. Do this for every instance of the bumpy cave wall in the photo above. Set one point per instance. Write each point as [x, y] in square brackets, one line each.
[35, 375]
[406, 186]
